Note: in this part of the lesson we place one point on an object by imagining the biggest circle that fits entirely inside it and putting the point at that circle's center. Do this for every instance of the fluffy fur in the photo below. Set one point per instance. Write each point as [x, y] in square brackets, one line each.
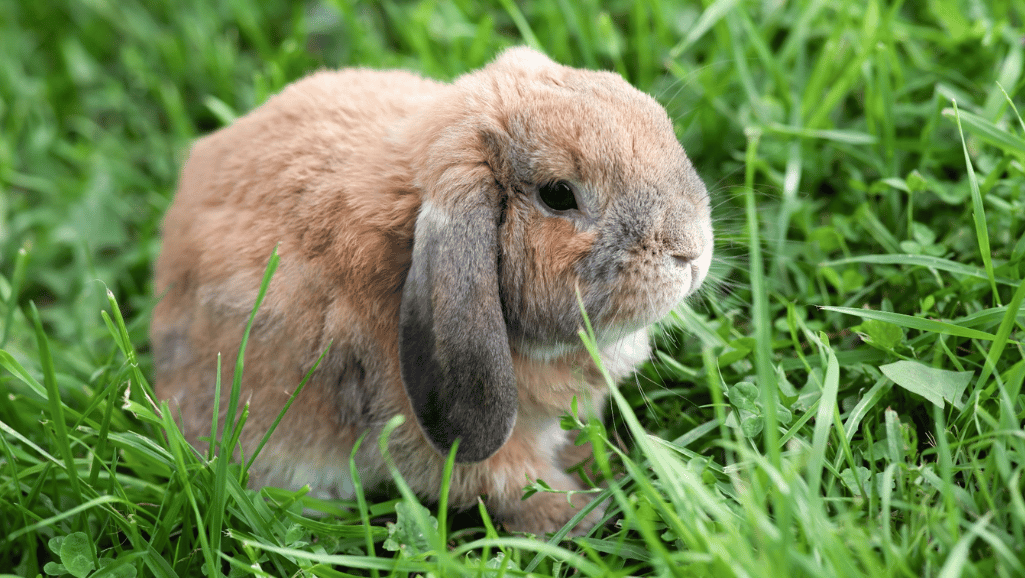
[414, 240]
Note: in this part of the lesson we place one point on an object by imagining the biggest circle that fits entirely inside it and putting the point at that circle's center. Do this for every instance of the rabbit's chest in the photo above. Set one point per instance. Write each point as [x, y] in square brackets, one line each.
[549, 386]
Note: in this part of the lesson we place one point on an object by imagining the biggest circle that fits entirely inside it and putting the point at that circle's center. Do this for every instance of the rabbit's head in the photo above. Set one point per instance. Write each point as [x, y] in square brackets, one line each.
[540, 182]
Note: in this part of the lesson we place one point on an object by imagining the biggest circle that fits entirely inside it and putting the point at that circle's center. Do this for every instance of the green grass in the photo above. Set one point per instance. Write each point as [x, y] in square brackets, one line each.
[845, 400]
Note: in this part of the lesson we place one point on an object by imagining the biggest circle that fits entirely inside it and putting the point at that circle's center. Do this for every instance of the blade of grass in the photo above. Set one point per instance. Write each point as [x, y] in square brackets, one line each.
[361, 502]
[17, 280]
[446, 481]
[8, 362]
[102, 435]
[15, 435]
[760, 307]
[836, 135]
[823, 419]
[176, 442]
[1014, 108]
[579, 563]
[996, 349]
[521, 24]
[920, 261]
[15, 478]
[288, 404]
[958, 557]
[981, 227]
[56, 405]
[766, 376]
[124, 341]
[914, 322]
[986, 130]
[442, 557]
[65, 514]
[231, 429]
[712, 14]
[215, 414]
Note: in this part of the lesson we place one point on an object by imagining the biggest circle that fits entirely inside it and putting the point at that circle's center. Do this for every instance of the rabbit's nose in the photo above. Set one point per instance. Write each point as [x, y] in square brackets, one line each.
[687, 257]
[686, 245]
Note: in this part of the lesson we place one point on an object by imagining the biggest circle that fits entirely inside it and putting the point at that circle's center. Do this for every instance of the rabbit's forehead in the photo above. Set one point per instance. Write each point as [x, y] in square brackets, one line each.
[600, 142]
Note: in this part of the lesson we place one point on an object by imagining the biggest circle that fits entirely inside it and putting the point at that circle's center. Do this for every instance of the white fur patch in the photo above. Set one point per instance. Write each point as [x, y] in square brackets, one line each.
[433, 216]
[700, 266]
[546, 352]
[623, 356]
[326, 480]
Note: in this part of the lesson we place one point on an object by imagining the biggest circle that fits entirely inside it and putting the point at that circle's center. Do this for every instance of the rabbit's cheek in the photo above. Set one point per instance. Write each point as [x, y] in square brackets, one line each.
[549, 247]
[561, 247]
[540, 277]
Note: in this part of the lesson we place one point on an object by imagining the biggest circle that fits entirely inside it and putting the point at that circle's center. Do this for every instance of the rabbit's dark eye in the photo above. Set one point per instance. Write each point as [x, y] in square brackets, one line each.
[558, 196]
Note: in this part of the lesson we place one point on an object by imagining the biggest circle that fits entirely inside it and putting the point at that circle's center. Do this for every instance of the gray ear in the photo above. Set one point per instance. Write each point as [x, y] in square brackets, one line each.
[453, 341]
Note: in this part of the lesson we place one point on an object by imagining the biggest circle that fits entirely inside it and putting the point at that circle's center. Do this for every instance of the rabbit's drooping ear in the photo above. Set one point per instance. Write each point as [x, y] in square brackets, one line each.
[453, 341]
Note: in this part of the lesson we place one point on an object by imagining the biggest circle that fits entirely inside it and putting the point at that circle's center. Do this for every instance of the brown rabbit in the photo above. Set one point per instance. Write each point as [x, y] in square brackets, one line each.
[435, 235]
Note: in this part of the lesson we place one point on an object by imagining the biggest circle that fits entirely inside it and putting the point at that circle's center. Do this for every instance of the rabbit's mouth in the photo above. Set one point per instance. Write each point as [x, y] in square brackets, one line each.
[653, 281]
[699, 266]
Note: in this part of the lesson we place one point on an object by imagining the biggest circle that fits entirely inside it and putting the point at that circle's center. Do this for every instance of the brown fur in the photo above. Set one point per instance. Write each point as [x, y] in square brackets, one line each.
[345, 171]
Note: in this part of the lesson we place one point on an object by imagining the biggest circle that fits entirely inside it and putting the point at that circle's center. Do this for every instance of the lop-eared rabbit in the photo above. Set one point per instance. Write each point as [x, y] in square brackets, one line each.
[436, 236]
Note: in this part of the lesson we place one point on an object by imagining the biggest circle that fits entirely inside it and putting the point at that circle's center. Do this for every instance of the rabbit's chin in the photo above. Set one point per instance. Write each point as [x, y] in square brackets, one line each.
[622, 345]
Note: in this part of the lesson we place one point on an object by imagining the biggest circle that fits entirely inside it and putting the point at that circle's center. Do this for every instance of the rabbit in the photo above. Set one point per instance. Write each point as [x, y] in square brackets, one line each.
[433, 239]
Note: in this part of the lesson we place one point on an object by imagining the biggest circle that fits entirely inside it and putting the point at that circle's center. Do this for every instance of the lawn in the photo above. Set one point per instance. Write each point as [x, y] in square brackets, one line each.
[844, 399]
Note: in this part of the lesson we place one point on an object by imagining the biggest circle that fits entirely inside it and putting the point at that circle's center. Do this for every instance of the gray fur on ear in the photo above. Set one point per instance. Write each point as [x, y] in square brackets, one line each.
[453, 342]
